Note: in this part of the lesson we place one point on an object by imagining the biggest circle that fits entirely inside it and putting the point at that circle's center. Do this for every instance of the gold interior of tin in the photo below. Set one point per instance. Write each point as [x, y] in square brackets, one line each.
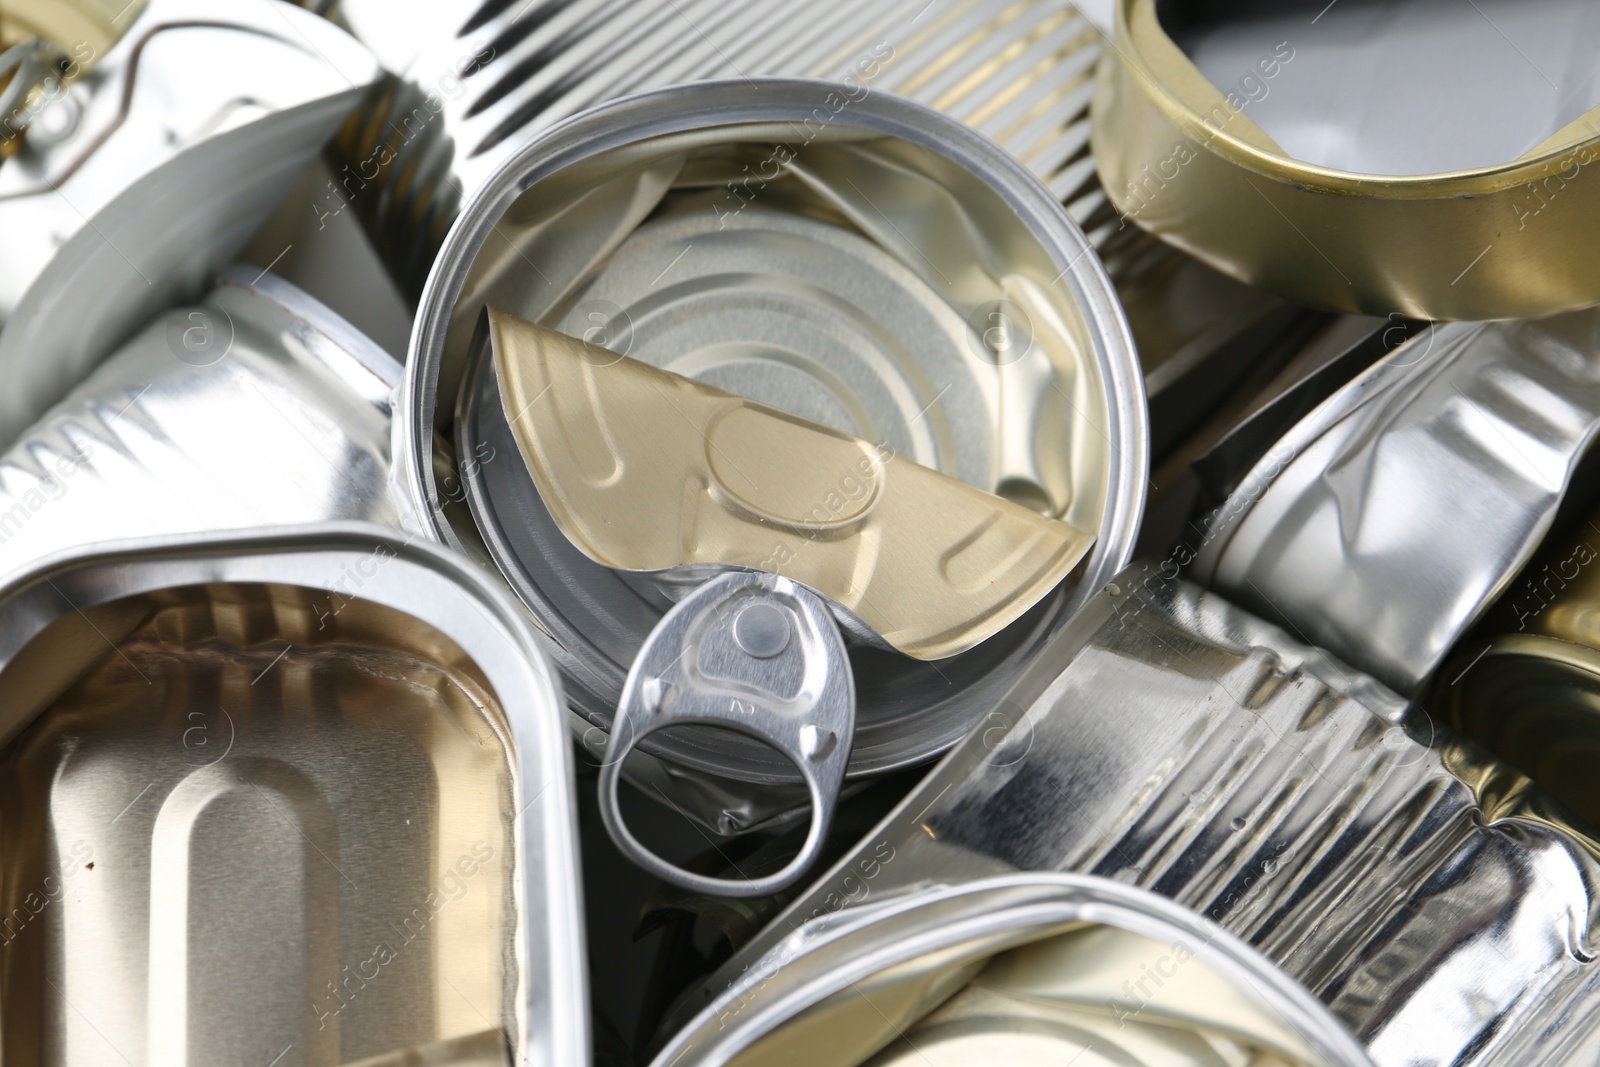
[1183, 161]
[1084, 993]
[937, 220]
[83, 29]
[1527, 687]
[250, 821]
[648, 470]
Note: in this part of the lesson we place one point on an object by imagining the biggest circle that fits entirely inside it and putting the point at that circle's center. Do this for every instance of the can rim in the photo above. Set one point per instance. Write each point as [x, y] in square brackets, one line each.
[1299, 438]
[944, 916]
[736, 101]
[1319, 178]
[551, 998]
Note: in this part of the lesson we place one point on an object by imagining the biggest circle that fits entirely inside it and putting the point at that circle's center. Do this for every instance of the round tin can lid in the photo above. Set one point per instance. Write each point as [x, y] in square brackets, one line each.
[844, 255]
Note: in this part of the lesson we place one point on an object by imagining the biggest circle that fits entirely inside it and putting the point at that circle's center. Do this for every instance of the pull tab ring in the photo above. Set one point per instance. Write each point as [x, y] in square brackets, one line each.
[751, 652]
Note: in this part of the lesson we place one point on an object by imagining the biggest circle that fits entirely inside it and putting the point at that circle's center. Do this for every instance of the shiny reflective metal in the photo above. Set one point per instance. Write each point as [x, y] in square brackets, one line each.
[1389, 518]
[1438, 903]
[756, 654]
[487, 1049]
[1485, 213]
[649, 471]
[1527, 685]
[139, 176]
[476, 78]
[320, 773]
[838, 988]
[907, 711]
[1324, 363]
[256, 407]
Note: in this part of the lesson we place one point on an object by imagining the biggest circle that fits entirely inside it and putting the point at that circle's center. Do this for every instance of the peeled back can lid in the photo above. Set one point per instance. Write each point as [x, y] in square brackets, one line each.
[845, 256]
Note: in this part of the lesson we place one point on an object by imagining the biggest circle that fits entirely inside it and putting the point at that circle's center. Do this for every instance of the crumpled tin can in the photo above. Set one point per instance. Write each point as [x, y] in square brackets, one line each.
[828, 295]
[1037, 969]
[1435, 900]
[1453, 187]
[321, 773]
[256, 407]
[137, 173]
[1387, 520]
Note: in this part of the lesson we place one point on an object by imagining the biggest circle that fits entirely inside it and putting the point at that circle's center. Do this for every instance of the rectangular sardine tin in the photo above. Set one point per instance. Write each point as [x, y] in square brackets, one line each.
[264, 805]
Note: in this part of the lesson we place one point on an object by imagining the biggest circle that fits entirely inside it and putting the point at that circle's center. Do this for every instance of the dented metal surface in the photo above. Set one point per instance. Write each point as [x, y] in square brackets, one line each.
[628, 154]
[143, 170]
[475, 79]
[256, 407]
[478, 80]
[1526, 684]
[1388, 519]
[1031, 968]
[1440, 904]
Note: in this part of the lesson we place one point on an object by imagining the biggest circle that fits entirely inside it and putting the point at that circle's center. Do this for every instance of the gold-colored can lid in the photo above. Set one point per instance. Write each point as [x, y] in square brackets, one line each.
[1183, 159]
[648, 470]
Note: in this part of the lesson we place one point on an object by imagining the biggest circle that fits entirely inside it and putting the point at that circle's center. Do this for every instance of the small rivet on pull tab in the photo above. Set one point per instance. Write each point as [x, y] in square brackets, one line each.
[816, 742]
[653, 694]
[762, 630]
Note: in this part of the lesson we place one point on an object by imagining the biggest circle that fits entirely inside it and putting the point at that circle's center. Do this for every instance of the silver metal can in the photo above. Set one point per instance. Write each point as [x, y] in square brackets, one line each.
[321, 773]
[476, 80]
[1389, 518]
[1037, 969]
[1172, 741]
[139, 173]
[256, 407]
[889, 313]
[473, 81]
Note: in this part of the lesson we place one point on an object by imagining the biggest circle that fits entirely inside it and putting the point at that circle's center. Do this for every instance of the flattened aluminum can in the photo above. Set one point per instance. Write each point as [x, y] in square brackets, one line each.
[821, 289]
[1436, 901]
[1023, 969]
[1456, 185]
[141, 172]
[256, 407]
[298, 796]
[1388, 519]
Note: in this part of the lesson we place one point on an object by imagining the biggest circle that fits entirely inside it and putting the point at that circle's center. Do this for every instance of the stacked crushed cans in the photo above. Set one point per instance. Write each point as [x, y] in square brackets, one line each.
[708, 532]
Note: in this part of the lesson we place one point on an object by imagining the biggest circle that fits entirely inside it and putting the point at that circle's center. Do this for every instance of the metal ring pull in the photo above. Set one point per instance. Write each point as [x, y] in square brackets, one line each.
[755, 653]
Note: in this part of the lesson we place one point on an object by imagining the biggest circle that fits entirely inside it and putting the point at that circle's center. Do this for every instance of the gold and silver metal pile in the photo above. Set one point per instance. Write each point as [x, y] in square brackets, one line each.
[1092, 522]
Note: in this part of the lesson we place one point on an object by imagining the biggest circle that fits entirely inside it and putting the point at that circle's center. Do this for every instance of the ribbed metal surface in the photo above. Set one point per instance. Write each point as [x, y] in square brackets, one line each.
[1388, 519]
[1435, 900]
[278, 415]
[1020, 74]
